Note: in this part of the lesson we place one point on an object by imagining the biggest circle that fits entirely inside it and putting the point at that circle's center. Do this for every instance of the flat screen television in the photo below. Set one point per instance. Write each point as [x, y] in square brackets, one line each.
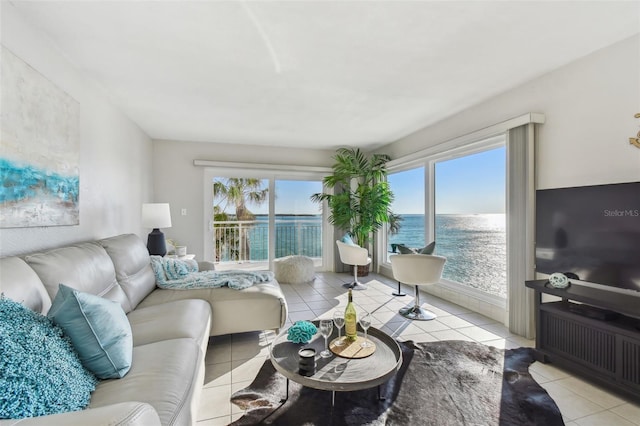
[592, 232]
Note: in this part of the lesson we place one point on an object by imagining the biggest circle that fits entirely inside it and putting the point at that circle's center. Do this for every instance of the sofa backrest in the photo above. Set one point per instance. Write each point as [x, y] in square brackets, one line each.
[85, 267]
[20, 283]
[132, 266]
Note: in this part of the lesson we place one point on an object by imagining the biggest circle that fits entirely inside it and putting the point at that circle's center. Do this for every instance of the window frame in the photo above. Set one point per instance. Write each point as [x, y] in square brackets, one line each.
[428, 162]
[384, 239]
[271, 173]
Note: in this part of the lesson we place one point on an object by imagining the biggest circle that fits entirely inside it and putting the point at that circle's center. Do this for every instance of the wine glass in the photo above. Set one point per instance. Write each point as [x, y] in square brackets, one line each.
[338, 320]
[365, 322]
[326, 327]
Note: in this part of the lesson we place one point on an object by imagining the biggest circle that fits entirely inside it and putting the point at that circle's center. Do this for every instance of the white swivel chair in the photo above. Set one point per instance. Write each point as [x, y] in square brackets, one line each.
[356, 256]
[417, 270]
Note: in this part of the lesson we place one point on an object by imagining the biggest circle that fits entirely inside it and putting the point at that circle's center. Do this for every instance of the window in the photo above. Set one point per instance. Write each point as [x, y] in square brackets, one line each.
[408, 206]
[470, 226]
[496, 165]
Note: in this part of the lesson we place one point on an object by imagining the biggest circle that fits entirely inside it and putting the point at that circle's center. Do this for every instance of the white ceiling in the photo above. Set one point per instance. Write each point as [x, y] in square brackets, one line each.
[317, 74]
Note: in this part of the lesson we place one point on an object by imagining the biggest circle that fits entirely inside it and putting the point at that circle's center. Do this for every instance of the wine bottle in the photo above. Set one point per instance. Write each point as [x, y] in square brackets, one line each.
[350, 320]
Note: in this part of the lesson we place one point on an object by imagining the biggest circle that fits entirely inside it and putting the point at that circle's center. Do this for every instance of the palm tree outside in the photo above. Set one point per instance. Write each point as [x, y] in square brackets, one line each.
[234, 194]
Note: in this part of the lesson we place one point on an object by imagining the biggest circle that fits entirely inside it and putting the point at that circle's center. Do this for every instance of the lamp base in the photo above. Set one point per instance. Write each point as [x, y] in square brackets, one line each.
[156, 244]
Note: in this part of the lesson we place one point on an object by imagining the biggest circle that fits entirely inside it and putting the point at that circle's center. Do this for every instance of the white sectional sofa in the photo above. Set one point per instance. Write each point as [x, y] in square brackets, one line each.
[170, 328]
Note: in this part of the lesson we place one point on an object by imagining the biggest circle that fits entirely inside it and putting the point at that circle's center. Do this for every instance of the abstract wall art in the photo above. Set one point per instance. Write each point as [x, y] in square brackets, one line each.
[39, 149]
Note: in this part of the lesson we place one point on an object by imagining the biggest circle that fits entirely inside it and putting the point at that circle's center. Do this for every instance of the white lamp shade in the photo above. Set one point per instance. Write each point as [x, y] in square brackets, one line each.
[156, 215]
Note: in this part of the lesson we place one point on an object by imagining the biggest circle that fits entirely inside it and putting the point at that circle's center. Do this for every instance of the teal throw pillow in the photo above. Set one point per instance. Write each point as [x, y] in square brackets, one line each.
[405, 250]
[98, 329]
[348, 240]
[40, 372]
[428, 249]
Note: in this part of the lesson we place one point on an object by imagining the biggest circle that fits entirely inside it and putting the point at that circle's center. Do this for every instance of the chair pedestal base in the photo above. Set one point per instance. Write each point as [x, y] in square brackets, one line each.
[417, 313]
[398, 293]
[355, 286]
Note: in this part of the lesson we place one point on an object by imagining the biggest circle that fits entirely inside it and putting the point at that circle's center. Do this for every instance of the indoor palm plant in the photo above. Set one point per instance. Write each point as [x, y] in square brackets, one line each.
[362, 197]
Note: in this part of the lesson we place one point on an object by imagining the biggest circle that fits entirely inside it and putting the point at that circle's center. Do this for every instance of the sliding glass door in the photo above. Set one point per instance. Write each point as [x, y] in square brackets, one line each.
[240, 220]
[298, 221]
[255, 218]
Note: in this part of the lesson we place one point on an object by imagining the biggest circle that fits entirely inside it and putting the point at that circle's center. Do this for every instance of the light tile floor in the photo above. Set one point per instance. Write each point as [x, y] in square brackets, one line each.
[233, 361]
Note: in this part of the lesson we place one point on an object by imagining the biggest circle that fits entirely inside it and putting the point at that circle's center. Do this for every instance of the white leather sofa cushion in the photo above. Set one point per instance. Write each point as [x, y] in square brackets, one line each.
[20, 283]
[123, 414]
[164, 375]
[259, 307]
[167, 375]
[131, 262]
[85, 267]
[173, 320]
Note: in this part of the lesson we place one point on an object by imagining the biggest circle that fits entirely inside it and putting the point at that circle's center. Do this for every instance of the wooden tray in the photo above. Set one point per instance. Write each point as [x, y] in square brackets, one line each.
[352, 350]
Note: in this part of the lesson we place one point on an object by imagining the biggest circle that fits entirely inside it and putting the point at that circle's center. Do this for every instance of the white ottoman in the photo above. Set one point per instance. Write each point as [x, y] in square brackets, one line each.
[294, 269]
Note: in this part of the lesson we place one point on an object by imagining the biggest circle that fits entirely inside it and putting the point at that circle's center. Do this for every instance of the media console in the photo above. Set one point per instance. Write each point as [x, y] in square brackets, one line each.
[592, 332]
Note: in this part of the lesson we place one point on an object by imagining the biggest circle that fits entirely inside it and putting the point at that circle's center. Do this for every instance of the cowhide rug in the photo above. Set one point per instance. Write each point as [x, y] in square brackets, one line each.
[439, 383]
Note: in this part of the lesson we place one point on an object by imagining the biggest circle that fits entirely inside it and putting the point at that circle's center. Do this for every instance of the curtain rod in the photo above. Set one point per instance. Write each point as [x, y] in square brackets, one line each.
[260, 166]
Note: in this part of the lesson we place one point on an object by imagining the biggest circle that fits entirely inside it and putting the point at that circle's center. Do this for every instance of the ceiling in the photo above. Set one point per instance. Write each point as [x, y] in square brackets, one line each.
[317, 74]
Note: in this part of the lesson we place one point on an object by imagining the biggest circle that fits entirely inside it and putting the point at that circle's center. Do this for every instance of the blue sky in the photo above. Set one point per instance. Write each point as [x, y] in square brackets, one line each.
[292, 197]
[467, 185]
[408, 191]
[472, 184]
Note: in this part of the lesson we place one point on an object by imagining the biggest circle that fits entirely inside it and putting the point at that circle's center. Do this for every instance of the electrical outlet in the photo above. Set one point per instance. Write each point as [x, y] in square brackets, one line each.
[184, 212]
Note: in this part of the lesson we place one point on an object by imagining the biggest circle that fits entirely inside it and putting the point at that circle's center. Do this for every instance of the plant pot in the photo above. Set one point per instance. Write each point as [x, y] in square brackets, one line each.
[363, 270]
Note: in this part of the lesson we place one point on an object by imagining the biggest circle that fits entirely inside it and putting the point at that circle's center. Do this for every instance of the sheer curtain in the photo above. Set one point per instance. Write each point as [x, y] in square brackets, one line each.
[520, 227]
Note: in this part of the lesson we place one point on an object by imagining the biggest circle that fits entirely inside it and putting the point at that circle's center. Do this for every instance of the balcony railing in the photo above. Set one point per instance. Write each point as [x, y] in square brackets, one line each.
[248, 241]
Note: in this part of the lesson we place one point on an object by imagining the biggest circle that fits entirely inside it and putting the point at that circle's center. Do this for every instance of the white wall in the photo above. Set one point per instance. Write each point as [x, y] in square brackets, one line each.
[115, 155]
[178, 182]
[589, 106]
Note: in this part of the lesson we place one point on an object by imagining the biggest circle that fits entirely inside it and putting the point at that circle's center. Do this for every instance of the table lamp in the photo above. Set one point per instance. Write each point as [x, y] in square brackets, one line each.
[156, 216]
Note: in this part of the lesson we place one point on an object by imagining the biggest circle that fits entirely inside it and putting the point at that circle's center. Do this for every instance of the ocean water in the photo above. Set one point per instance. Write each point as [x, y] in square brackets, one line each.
[294, 235]
[474, 245]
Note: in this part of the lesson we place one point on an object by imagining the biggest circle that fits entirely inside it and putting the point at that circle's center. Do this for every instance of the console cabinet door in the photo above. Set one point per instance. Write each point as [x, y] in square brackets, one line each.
[629, 371]
[592, 347]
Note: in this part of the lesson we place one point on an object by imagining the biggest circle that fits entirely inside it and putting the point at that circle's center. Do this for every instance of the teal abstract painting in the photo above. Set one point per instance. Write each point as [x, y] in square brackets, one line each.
[39, 149]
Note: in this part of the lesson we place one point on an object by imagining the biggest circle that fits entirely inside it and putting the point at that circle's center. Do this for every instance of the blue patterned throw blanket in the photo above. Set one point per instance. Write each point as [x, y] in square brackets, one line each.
[179, 274]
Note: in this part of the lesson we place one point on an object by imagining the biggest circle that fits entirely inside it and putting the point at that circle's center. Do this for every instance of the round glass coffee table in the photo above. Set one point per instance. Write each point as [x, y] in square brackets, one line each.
[337, 374]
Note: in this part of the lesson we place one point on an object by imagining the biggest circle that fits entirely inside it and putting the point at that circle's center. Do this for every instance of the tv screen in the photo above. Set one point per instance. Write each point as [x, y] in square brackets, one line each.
[592, 232]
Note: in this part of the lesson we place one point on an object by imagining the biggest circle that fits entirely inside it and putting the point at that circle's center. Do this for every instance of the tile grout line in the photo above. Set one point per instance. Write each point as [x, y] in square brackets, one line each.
[333, 291]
